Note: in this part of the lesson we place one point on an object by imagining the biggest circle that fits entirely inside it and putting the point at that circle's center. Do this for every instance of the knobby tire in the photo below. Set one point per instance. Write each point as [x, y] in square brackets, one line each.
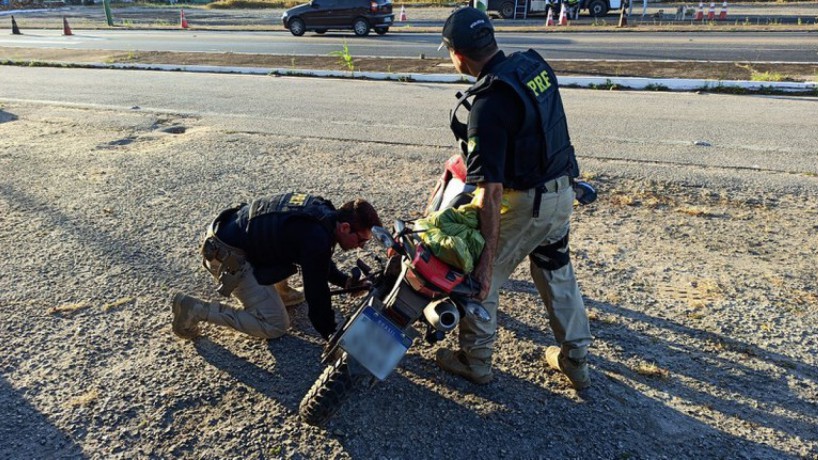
[328, 393]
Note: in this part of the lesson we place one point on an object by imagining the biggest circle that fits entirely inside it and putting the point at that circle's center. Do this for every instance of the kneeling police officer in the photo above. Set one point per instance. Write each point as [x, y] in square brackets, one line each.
[251, 247]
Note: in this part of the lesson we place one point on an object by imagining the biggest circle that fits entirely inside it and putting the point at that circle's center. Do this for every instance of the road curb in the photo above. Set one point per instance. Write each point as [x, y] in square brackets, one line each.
[635, 83]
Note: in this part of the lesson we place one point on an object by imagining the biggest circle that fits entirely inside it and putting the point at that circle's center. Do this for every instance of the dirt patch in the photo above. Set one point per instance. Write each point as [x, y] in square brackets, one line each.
[650, 69]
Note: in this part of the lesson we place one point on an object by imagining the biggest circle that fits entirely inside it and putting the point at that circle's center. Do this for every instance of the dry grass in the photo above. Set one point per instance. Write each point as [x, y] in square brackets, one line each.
[82, 400]
[594, 315]
[805, 297]
[118, 303]
[613, 297]
[652, 370]
[621, 199]
[766, 75]
[695, 211]
[68, 308]
[648, 198]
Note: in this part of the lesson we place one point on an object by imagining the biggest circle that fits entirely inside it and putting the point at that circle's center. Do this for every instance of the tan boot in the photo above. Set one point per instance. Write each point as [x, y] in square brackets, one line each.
[289, 295]
[456, 362]
[187, 312]
[576, 371]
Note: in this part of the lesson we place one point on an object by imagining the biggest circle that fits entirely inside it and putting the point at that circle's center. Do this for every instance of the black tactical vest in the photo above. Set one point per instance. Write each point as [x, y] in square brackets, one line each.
[263, 218]
[542, 147]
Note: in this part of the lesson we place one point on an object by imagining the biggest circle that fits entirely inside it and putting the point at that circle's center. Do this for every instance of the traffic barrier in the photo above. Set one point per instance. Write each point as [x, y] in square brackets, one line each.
[563, 20]
[183, 19]
[550, 21]
[14, 29]
[700, 12]
[723, 12]
[711, 14]
[66, 29]
[402, 17]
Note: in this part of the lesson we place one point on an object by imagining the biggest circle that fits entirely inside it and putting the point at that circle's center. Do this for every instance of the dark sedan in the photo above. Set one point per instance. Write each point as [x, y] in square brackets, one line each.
[361, 16]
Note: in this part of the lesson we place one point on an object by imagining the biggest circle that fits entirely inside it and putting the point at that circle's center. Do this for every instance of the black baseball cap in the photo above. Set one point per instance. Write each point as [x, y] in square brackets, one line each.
[467, 29]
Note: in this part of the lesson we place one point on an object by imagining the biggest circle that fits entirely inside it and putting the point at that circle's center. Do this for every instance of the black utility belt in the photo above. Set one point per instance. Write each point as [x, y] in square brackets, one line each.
[551, 186]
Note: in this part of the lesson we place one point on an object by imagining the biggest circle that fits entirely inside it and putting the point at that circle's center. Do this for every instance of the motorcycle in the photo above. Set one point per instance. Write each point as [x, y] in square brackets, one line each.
[414, 289]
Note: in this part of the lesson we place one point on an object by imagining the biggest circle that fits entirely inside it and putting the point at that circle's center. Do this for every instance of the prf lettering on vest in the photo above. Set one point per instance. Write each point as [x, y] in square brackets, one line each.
[540, 83]
[297, 199]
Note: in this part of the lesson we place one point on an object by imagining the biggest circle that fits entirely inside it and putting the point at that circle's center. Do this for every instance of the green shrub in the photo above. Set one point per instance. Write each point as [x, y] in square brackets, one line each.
[767, 76]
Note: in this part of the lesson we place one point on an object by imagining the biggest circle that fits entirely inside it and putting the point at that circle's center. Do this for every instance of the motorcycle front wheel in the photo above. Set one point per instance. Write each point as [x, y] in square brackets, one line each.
[329, 392]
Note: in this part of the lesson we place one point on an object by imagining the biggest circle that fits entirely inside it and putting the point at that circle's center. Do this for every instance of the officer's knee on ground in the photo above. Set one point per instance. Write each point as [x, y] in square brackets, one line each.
[275, 330]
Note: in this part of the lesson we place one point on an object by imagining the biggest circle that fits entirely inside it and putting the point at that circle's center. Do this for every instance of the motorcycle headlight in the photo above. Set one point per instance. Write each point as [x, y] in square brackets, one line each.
[382, 235]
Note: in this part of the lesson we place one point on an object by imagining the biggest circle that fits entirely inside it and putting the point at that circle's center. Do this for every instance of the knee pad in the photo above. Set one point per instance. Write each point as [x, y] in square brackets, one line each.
[552, 256]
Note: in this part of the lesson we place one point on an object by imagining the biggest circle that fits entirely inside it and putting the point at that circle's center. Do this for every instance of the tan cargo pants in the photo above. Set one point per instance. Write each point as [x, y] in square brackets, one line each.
[263, 314]
[520, 235]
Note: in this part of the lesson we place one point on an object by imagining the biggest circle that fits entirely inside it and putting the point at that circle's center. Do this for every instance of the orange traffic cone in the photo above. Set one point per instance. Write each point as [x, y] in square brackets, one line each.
[183, 19]
[14, 29]
[711, 14]
[66, 29]
[700, 12]
[723, 12]
[402, 14]
[550, 21]
[563, 20]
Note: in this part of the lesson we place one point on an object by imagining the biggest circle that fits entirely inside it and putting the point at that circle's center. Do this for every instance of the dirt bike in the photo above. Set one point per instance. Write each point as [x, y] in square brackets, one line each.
[414, 289]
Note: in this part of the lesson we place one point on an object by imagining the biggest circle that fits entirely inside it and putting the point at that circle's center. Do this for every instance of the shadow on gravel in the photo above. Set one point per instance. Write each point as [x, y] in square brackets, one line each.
[681, 352]
[287, 384]
[27, 433]
[6, 117]
[520, 418]
[743, 389]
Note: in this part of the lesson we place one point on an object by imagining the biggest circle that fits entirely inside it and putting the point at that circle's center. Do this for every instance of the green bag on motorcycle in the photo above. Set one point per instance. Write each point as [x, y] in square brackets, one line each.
[453, 236]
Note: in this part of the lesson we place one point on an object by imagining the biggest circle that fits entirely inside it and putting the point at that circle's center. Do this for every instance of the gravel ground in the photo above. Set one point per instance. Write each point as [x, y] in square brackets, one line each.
[703, 305]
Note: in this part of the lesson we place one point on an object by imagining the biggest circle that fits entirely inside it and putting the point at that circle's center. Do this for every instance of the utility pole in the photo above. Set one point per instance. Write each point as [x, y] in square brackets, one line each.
[107, 5]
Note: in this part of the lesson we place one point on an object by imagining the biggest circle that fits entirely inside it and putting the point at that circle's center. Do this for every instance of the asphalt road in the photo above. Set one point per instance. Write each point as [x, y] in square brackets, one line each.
[766, 139]
[754, 47]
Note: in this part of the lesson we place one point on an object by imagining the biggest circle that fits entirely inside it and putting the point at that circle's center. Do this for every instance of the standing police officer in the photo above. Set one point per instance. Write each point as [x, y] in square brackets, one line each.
[519, 155]
[251, 247]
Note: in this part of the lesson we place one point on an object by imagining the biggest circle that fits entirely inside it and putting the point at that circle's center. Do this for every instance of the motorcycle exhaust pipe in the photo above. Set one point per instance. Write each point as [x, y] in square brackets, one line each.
[442, 315]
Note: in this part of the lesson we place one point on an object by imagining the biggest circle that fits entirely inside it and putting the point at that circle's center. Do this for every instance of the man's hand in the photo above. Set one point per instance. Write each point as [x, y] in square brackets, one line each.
[359, 286]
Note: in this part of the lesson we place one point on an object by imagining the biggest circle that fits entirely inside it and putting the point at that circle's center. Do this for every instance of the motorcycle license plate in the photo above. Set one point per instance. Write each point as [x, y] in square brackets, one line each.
[375, 343]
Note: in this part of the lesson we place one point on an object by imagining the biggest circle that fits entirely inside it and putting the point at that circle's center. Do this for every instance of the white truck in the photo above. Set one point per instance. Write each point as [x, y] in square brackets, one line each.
[521, 9]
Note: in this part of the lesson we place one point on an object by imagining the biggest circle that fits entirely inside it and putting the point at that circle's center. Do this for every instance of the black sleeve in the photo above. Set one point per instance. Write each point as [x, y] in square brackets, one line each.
[312, 247]
[336, 276]
[494, 120]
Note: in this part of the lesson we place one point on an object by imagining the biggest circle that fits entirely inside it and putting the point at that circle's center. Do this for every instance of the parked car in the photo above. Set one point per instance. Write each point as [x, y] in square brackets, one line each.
[521, 9]
[322, 15]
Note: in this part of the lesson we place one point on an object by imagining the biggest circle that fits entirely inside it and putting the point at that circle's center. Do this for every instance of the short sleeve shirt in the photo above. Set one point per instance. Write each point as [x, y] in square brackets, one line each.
[494, 121]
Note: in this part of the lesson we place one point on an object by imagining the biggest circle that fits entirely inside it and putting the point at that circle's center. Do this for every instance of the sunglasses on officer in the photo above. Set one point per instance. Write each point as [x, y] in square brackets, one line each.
[363, 237]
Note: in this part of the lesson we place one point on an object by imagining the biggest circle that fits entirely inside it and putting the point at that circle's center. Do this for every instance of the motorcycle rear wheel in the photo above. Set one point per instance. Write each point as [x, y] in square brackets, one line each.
[329, 392]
